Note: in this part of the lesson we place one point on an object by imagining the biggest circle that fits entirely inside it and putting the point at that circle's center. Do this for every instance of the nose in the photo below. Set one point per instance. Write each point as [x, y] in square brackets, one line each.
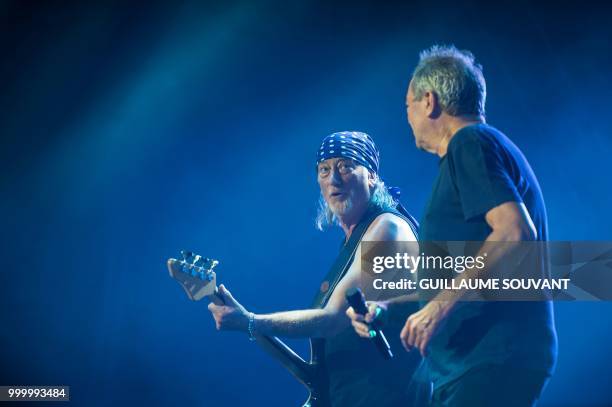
[335, 178]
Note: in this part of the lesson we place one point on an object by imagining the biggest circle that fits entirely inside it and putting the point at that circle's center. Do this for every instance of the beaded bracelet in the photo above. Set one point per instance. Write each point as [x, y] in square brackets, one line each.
[251, 326]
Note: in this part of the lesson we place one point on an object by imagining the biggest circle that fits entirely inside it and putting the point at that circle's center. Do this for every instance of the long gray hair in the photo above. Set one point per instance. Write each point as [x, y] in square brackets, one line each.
[379, 196]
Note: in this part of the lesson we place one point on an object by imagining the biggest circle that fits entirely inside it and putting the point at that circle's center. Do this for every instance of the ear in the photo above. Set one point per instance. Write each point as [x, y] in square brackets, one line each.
[371, 179]
[432, 105]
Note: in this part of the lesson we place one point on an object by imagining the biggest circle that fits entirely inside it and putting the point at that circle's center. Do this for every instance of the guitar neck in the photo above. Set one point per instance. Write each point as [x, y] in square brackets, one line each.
[196, 276]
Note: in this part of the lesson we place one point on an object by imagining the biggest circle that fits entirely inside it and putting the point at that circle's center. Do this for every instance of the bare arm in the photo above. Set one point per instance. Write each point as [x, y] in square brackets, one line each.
[293, 324]
[393, 229]
[306, 323]
[331, 319]
[509, 222]
[324, 322]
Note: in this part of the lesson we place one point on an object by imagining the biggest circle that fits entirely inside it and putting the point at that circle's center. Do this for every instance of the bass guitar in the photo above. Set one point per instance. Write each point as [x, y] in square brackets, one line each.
[197, 277]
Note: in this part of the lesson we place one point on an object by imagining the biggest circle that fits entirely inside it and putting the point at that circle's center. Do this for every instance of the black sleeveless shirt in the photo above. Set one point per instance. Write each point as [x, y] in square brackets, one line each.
[357, 374]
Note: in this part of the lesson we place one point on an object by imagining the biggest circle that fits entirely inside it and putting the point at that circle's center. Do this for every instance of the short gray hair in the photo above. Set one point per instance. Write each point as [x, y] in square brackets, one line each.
[454, 76]
[379, 196]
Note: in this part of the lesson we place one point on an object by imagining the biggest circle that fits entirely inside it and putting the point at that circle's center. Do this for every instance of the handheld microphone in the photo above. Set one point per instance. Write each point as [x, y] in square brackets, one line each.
[355, 298]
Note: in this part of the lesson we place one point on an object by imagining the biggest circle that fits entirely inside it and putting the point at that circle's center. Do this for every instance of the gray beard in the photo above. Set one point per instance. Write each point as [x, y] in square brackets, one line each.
[341, 209]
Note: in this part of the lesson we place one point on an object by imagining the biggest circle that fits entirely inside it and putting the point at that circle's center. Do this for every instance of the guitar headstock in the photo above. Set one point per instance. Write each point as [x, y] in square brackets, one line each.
[195, 274]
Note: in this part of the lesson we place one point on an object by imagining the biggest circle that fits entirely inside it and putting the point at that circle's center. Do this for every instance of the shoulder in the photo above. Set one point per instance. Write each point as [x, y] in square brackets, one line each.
[467, 135]
[477, 133]
[389, 227]
[477, 141]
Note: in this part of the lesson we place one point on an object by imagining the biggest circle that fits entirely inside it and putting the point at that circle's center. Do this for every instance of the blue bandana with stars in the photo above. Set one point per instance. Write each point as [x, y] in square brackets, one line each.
[350, 144]
[361, 148]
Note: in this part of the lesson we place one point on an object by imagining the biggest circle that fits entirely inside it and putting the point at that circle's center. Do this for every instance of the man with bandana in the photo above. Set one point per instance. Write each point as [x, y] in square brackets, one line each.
[353, 197]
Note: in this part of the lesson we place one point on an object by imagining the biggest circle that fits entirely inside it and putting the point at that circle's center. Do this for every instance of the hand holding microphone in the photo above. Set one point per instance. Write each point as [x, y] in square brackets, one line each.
[367, 329]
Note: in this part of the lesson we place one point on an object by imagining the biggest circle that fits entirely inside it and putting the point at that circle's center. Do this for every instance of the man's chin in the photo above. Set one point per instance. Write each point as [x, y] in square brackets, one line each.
[423, 146]
[419, 143]
[341, 208]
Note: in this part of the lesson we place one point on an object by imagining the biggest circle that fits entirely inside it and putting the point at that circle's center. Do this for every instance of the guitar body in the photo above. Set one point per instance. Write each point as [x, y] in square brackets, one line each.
[319, 394]
[319, 388]
[195, 274]
[314, 401]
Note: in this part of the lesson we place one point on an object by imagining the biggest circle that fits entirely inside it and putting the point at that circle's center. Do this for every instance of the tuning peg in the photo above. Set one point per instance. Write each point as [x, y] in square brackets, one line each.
[208, 276]
[186, 267]
[211, 263]
[187, 256]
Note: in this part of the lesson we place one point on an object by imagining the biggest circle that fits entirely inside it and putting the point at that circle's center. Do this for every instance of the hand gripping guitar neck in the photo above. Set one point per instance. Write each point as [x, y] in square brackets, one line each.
[195, 274]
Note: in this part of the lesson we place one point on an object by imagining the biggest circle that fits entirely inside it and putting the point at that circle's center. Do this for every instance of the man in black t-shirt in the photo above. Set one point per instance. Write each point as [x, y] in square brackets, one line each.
[479, 353]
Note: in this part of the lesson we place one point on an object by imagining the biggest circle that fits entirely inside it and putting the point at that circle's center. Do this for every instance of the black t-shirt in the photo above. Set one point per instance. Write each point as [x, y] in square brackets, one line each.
[481, 170]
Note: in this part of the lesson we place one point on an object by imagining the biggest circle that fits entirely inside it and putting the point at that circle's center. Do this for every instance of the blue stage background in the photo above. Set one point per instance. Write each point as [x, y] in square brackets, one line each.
[130, 132]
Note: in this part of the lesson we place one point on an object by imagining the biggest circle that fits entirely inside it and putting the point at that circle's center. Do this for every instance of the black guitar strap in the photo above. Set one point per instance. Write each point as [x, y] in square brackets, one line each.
[347, 253]
[333, 277]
